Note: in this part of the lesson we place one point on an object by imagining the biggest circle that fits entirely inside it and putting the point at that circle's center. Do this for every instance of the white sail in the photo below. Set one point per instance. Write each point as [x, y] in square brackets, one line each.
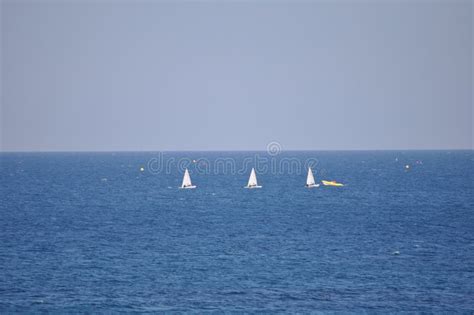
[310, 178]
[187, 180]
[253, 180]
[310, 183]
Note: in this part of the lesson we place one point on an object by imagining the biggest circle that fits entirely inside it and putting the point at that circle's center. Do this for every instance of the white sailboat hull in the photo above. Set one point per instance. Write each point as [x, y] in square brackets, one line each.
[188, 187]
[252, 187]
[312, 186]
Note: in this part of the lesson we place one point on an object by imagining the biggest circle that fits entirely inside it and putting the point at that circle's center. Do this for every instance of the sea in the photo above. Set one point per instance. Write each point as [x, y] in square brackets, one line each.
[112, 232]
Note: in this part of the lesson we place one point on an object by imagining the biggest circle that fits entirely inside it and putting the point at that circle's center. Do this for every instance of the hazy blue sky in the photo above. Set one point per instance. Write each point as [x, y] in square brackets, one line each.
[149, 75]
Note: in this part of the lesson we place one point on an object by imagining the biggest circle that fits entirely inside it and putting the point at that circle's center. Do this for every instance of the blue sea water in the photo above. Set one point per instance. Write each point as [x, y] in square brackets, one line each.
[90, 232]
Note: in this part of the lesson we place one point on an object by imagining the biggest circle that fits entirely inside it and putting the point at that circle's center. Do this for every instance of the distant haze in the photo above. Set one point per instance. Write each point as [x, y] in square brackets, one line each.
[206, 75]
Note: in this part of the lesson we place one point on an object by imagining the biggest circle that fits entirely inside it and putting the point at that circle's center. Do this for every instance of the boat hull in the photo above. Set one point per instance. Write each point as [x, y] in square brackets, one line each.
[331, 183]
[252, 187]
[188, 187]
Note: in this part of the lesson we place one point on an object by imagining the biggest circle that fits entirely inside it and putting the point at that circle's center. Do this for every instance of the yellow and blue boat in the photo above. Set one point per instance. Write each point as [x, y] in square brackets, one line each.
[331, 183]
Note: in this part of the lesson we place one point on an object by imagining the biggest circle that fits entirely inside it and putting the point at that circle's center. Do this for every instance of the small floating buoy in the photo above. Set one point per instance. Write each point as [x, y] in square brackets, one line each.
[396, 253]
[407, 166]
[142, 169]
[194, 161]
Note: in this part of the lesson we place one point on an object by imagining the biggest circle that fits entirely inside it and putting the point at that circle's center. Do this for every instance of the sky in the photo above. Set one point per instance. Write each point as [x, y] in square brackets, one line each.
[205, 75]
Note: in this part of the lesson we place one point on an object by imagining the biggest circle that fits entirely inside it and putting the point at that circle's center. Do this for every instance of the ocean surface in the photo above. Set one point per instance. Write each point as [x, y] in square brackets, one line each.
[91, 232]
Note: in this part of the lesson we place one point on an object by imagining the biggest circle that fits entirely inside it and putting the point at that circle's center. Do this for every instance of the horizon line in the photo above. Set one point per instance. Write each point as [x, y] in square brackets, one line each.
[213, 150]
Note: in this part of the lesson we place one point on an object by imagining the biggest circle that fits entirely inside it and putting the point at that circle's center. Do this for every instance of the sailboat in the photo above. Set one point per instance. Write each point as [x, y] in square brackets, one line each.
[310, 183]
[253, 180]
[187, 181]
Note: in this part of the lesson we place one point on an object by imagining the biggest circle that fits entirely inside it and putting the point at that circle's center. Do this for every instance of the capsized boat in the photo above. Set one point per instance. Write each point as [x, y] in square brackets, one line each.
[253, 180]
[187, 181]
[331, 183]
[310, 183]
